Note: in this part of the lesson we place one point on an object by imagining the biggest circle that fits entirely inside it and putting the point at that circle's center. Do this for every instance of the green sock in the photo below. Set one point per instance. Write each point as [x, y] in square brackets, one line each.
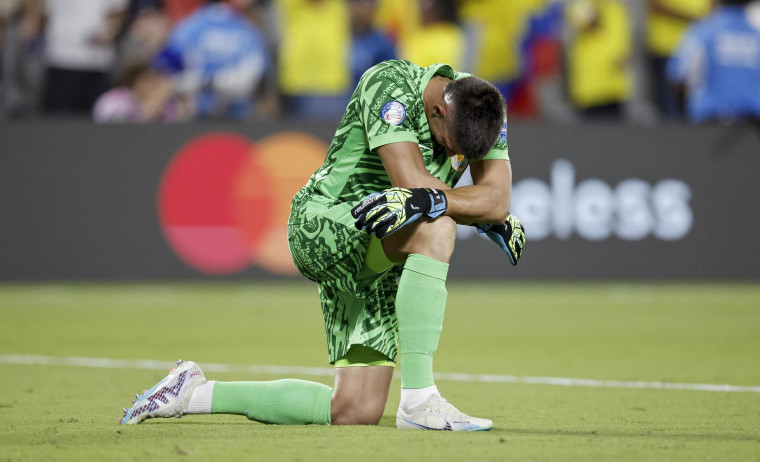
[420, 305]
[283, 402]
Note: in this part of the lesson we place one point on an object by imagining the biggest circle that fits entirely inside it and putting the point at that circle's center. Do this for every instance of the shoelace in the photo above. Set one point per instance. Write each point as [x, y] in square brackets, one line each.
[439, 402]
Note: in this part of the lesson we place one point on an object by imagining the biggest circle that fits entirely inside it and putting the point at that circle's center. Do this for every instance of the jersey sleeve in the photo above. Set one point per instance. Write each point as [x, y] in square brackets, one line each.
[386, 108]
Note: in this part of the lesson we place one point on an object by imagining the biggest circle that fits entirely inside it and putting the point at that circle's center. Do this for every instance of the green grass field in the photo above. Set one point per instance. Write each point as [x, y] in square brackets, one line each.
[653, 333]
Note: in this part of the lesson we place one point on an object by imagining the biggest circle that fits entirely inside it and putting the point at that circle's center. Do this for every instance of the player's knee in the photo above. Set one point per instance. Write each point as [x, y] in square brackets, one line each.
[353, 412]
[444, 228]
[432, 238]
[436, 238]
[356, 418]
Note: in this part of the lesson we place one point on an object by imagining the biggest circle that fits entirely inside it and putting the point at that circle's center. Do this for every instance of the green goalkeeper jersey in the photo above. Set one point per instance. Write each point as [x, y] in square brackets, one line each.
[385, 108]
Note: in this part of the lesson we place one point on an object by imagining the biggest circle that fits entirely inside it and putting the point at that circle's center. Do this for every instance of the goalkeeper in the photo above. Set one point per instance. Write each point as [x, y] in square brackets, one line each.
[375, 228]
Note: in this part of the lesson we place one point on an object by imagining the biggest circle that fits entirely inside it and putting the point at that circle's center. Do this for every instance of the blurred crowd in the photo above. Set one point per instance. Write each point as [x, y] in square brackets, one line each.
[554, 60]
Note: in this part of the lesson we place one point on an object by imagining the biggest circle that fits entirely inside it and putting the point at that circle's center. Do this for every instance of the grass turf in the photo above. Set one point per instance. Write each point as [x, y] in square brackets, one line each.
[691, 333]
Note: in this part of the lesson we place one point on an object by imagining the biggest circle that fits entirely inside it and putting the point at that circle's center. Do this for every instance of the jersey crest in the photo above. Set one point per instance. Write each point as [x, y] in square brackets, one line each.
[458, 163]
[393, 112]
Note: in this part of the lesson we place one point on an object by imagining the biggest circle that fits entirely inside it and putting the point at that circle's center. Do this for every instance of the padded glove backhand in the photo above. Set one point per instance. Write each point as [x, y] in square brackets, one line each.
[510, 236]
[388, 211]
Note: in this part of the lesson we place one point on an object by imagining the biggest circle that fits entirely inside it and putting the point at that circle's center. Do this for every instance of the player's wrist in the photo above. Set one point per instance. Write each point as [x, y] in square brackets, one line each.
[438, 204]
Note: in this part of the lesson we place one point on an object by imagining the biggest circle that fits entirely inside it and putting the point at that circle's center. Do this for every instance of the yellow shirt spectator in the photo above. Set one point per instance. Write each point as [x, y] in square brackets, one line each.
[598, 70]
[668, 19]
[497, 28]
[397, 18]
[437, 39]
[315, 48]
[442, 42]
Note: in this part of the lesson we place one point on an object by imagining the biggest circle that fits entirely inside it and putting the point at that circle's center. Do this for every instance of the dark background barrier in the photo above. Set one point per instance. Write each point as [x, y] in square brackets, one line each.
[79, 201]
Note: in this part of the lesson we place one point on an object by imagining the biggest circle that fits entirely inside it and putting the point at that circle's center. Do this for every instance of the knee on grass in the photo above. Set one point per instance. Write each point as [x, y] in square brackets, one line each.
[354, 413]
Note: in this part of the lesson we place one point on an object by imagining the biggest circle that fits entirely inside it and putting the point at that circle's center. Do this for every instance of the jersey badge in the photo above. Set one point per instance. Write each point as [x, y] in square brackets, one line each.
[458, 163]
[393, 112]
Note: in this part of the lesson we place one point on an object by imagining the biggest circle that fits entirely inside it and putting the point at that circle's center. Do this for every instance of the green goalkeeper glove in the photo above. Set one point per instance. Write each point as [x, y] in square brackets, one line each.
[388, 211]
[510, 236]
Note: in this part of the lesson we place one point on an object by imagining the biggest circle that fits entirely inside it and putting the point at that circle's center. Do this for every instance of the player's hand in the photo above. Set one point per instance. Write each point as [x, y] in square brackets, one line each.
[510, 236]
[388, 211]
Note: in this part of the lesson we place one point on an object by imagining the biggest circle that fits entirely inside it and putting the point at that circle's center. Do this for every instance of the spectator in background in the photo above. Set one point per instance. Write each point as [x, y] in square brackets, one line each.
[397, 18]
[177, 10]
[543, 81]
[219, 58]
[145, 33]
[666, 22]
[21, 56]
[438, 39]
[145, 96]
[314, 57]
[80, 52]
[599, 77]
[539, 89]
[495, 32]
[368, 45]
[261, 14]
[718, 64]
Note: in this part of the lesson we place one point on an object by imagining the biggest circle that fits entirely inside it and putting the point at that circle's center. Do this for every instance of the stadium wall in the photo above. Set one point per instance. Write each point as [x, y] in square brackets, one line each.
[178, 202]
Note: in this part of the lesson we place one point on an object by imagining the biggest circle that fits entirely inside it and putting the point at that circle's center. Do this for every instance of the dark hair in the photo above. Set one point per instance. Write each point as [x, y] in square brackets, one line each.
[479, 113]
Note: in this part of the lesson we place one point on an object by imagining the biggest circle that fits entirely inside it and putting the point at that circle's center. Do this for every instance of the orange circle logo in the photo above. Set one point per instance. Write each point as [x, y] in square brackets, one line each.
[224, 201]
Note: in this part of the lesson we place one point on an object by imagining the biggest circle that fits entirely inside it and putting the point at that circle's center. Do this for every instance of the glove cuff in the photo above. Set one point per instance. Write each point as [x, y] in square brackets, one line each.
[438, 202]
[481, 227]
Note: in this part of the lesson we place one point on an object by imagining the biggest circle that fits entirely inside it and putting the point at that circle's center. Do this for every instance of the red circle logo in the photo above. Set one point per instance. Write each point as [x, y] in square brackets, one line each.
[224, 201]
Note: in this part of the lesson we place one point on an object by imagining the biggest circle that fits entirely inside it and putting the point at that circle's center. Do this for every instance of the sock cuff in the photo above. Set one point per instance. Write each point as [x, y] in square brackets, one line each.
[427, 266]
[323, 406]
[200, 400]
[413, 397]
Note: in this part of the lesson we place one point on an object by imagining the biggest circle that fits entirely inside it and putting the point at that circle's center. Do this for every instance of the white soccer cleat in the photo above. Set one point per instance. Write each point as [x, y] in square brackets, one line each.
[169, 397]
[438, 414]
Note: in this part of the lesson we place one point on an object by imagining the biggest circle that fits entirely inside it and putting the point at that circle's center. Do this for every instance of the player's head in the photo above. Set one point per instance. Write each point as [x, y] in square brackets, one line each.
[474, 115]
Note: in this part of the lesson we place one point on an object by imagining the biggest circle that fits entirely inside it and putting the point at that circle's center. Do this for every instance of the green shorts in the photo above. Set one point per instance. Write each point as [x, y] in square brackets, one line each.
[357, 282]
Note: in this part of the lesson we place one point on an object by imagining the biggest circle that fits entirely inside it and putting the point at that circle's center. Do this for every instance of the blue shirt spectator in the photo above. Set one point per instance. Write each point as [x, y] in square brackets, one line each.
[719, 62]
[369, 49]
[368, 45]
[220, 57]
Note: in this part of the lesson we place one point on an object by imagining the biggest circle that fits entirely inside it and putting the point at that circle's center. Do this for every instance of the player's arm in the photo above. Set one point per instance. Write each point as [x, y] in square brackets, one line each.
[485, 204]
[508, 232]
[405, 167]
[486, 201]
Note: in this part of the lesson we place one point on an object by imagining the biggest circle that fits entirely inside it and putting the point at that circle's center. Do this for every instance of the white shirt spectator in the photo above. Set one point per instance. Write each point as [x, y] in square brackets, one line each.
[72, 28]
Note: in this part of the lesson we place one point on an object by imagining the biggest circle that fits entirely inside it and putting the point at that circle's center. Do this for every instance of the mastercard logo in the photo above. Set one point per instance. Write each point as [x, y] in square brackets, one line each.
[224, 200]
